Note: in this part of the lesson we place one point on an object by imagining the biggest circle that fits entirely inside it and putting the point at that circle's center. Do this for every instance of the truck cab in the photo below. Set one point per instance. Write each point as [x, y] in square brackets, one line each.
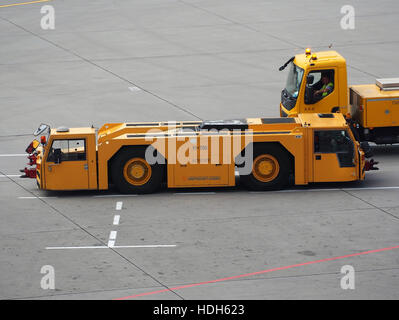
[68, 160]
[307, 72]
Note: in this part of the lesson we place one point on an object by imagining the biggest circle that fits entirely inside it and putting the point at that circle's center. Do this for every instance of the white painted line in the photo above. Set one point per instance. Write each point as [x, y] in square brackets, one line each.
[10, 175]
[84, 247]
[310, 190]
[37, 197]
[14, 155]
[321, 190]
[116, 219]
[115, 195]
[111, 243]
[112, 238]
[115, 247]
[119, 205]
[370, 188]
[149, 246]
[193, 193]
[134, 89]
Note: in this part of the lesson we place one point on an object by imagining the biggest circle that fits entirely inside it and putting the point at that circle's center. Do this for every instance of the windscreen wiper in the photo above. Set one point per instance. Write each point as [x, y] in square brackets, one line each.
[286, 64]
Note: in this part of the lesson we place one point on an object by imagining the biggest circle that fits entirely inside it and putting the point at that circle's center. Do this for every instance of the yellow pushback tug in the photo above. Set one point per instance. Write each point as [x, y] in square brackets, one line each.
[268, 153]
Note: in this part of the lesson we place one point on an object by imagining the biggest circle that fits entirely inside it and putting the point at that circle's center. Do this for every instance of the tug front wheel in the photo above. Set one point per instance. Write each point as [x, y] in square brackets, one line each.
[131, 173]
[270, 168]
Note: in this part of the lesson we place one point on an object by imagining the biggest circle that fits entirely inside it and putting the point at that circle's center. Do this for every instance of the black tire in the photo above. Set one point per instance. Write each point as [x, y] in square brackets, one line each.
[122, 184]
[282, 178]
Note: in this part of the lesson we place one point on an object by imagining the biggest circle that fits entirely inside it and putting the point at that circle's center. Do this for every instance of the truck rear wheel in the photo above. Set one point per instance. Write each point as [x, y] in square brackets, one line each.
[131, 173]
[270, 169]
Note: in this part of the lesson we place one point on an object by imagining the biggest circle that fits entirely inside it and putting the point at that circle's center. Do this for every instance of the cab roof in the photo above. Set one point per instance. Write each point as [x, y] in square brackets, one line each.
[72, 131]
[323, 59]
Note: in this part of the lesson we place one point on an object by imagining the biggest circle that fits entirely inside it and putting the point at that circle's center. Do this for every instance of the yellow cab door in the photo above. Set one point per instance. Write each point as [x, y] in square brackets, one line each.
[314, 99]
[334, 156]
[66, 166]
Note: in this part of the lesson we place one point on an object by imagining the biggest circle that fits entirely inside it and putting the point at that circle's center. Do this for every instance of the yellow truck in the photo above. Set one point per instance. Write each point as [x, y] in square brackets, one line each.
[139, 157]
[317, 82]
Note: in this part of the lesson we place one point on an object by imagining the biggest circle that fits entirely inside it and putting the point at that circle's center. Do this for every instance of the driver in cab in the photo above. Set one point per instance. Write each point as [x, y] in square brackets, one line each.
[326, 89]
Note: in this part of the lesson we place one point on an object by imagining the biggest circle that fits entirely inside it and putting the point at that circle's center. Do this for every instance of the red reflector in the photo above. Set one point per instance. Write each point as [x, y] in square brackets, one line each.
[43, 139]
[361, 108]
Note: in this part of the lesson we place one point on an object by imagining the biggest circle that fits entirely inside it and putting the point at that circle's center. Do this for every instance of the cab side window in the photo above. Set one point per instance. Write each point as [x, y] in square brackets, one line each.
[335, 141]
[319, 84]
[67, 150]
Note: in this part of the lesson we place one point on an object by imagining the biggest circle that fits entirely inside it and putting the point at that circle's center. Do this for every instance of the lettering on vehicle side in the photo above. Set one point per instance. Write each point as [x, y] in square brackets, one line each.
[200, 178]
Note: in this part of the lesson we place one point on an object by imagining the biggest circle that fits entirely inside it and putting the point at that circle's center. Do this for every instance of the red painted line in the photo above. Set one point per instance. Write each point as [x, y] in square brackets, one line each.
[258, 272]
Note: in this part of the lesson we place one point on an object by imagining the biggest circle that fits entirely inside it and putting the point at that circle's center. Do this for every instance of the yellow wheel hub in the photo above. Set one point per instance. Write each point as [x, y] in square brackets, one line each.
[265, 168]
[137, 171]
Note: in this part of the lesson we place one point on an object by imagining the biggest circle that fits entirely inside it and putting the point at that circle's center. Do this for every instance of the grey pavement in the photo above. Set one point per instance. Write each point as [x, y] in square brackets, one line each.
[146, 60]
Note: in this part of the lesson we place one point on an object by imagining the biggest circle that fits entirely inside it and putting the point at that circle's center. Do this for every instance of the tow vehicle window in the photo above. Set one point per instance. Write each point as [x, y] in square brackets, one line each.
[294, 80]
[321, 86]
[69, 150]
[335, 141]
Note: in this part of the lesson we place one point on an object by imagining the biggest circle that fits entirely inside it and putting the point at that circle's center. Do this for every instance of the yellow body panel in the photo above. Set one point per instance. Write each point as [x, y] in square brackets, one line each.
[372, 107]
[326, 169]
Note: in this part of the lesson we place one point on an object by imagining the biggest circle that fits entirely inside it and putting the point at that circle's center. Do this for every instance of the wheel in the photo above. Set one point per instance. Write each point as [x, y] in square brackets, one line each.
[131, 173]
[270, 168]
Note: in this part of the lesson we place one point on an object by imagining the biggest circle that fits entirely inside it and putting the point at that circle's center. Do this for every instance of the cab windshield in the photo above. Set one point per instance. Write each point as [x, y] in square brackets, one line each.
[294, 80]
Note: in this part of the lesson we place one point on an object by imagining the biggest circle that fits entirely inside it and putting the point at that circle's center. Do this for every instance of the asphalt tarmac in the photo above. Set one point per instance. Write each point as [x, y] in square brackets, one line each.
[147, 60]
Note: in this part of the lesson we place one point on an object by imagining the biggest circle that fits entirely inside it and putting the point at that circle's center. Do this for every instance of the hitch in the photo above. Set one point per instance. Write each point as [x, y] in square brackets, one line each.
[369, 165]
[32, 157]
[29, 173]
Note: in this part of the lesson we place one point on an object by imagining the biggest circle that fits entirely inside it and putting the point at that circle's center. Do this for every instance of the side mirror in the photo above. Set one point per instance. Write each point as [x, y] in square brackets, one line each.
[309, 79]
[41, 129]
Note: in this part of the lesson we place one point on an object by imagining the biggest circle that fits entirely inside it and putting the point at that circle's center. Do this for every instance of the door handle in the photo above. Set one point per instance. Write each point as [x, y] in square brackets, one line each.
[50, 166]
[318, 157]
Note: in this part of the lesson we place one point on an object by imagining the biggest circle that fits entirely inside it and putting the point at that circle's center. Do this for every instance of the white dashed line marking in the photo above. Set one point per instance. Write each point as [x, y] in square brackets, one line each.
[119, 205]
[116, 220]
[112, 238]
